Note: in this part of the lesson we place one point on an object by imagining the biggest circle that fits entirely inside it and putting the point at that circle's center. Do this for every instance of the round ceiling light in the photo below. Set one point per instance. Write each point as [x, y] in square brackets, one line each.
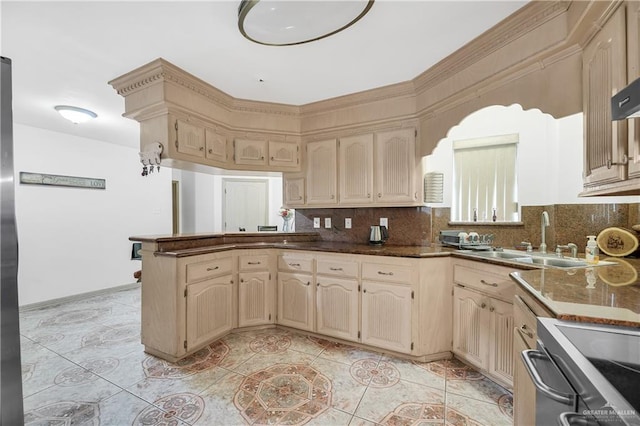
[75, 114]
[286, 23]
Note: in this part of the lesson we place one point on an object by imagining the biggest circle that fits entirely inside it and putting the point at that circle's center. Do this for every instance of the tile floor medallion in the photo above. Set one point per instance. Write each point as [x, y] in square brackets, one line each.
[270, 344]
[201, 360]
[83, 366]
[371, 372]
[167, 410]
[290, 394]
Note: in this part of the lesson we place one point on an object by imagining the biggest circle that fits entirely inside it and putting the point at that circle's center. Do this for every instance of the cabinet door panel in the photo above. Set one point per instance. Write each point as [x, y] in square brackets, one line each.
[295, 300]
[470, 325]
[254, 304]
[216, 146]
[337, 307]
[395, 166]
[293, 191]
[386, 316]
[283, 154]
[356, 169]
[322, 172]
[501, 340]
[250, 152]
[209, 310]
[604, 74]
[189, 138]
[524, 391]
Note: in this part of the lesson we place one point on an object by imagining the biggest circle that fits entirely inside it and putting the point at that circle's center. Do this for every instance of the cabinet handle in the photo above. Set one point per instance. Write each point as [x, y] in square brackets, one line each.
[333, 196]
[335, 269]
[253, 263]
[231, 282]
[294, 265]
[488, 283]
[385, 273]
[484, 305]
[213, 269]
[210, 151]
[273, 159]
[241, 280]
[369, 195]
[201, 148]
[379, 194]
[318, 284]
[364, 290]
[523, 329]
[262, 158]
[491, 309]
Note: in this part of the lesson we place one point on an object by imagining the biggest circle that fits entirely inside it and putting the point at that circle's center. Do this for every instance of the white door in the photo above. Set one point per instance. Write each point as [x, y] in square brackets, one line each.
[245, 204]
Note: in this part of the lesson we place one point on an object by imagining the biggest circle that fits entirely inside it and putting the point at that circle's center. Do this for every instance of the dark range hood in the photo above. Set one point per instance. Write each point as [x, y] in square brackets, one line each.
[626, 103]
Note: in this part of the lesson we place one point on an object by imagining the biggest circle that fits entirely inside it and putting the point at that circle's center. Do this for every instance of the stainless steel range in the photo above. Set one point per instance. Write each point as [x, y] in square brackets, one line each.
[585, 374]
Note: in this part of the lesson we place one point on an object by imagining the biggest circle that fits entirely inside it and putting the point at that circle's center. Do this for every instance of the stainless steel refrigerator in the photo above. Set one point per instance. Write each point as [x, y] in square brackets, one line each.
[10, 367]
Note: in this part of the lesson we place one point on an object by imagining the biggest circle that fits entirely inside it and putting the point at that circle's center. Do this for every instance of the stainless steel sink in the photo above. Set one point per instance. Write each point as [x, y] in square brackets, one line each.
[546, 260]
[495, 254]
[557, 263]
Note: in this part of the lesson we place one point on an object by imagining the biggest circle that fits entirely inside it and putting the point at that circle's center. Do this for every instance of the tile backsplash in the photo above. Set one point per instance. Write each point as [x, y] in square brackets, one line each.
[421, 225]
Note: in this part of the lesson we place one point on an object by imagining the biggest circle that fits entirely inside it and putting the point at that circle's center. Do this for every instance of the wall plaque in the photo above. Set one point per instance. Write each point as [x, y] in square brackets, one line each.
[57, 180]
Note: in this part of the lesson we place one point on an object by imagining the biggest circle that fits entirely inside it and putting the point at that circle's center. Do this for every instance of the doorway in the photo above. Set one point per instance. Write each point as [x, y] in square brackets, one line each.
[245, 204]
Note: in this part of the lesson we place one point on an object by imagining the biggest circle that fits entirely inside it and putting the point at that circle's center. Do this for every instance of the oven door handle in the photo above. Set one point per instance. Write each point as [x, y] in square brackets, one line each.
[574, 419]
[561, 397]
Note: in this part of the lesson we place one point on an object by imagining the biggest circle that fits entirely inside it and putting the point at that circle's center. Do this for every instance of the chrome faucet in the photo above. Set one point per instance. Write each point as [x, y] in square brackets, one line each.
[570, 246]
[544, 223]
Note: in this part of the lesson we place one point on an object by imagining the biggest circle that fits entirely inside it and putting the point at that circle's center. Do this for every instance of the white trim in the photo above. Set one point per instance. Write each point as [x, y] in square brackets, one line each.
[76, 297]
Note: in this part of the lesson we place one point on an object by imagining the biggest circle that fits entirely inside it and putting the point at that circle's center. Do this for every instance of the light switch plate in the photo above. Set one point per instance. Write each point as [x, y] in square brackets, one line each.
[327, 222]
[316, 222]
[384, 222]
[347, 223]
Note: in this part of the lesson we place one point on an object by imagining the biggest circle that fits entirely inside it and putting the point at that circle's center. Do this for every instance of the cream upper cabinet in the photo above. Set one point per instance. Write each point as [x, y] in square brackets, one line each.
[396, 167]
[189, 138]
[216, 146]
[284, 154]
[356, 169]
[250, 152]
[322, 171]
[604, 73]
[295, 300]
[294, 190]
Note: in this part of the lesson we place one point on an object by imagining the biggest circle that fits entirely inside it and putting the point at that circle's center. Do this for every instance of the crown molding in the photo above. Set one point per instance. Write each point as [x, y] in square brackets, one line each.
[523, 21]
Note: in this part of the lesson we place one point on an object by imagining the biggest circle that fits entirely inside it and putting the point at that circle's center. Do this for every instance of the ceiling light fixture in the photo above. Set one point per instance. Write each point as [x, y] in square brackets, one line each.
[286, 23]
[74, 114]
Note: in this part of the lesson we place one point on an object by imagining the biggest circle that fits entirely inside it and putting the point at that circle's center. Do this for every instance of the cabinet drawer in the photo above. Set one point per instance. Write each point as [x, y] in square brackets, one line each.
[290, 263]
[254, 263]
[525, 322]
[392, 273]
[337, 268]
[198, 271]
[484, 281]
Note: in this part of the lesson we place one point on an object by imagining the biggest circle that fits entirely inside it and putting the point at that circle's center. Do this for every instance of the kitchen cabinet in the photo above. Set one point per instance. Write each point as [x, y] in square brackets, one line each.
[189, 138]
[284, 154]
[356, 169]
[525, 312]
[321, 183]
[387, 295]
[187, 302]
[295, 300]
[256, 290]
[216, 146]
[338, 297]
[611, 148]
[250, 152]
[294, 190]
[483, 318]
[396, 167]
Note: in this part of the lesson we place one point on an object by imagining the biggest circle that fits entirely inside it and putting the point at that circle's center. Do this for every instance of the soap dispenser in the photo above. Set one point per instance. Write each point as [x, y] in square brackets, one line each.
[591, 251]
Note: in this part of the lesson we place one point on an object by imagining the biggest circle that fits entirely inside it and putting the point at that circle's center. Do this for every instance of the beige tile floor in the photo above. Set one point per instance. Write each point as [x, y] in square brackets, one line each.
[83, 364]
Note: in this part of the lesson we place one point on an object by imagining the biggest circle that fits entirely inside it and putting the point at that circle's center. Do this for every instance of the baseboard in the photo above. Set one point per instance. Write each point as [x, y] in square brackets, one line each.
[76, 297]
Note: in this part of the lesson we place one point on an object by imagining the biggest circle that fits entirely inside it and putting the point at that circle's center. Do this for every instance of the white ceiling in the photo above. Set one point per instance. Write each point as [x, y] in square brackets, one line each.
[66, 52]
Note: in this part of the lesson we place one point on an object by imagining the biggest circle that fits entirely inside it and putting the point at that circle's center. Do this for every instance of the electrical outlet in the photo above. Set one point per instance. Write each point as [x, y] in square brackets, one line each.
[384, 222]
[327, 222]
[316, 222]
[347, 223]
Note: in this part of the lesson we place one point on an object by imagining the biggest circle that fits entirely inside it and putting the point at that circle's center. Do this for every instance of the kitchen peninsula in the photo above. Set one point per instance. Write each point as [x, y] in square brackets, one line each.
[398, 299]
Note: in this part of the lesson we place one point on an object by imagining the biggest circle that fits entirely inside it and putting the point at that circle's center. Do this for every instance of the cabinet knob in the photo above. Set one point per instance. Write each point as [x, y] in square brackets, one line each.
[368, 195]
[210, 151]
[318, 284]
[379, 194]
[491, 309]
[333, 196]
[484, 305]
[308, 283]
[364, 290]
[201, 148]
[241, 280]
[524, 329]
[273, 159]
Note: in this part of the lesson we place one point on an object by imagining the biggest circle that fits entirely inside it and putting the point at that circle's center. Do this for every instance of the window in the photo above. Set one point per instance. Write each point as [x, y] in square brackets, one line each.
[484, 179]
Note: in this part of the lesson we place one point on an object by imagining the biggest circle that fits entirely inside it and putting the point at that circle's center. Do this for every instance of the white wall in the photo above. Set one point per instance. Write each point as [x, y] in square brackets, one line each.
[201, 199]
[549, 154]
[75, 240]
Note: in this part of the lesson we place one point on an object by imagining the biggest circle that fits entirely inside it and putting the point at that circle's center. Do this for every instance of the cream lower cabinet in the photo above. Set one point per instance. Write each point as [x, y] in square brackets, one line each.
[338, 303]
[255, 290]
[209, 310]
[483, 318]
[295, 300]
[386, 316]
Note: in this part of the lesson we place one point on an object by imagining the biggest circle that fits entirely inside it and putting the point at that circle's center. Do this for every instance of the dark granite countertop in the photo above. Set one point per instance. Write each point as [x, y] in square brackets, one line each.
[600, 294]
